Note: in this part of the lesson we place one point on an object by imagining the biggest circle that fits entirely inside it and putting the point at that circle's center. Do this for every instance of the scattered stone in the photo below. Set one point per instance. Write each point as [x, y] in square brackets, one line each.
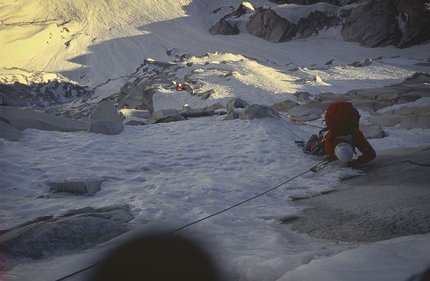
[370, 106]
[365, 62]
[206, 94]
[329, 62]
[134, 123]
[105, 120]
[284, 105]
[168, 119]
[165, 112]
[331, 97]
[309, 111]
[257, 112]
[235, 103]
[303, 96]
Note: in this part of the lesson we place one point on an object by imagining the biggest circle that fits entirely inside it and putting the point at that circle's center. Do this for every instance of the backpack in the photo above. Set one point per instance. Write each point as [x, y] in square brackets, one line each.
[315, 144]
[341, 117]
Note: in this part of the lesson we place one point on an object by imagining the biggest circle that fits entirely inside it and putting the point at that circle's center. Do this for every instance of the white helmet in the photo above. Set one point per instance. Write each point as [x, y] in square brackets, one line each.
[344, 152]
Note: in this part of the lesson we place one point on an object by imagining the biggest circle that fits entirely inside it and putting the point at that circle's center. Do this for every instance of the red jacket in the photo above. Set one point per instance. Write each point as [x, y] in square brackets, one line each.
[359, 142]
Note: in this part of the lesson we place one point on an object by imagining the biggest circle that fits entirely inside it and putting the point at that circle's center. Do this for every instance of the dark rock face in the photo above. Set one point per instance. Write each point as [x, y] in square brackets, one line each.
[379, 23]
[223, 27]
[416, 17]
[400, 23]
[309, 2]
[372, 25]
[266, 24]
[315, 22]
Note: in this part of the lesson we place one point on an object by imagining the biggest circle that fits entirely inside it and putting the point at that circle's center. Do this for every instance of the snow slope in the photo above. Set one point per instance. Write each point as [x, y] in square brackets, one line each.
[176, 173]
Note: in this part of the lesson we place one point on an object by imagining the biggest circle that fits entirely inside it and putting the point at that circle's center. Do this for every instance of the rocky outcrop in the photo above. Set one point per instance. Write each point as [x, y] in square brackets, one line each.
[223, 27]
[415, 18]
[399, 23]
[266, 24]
[105, 120]
[372, 24]
[39, 94]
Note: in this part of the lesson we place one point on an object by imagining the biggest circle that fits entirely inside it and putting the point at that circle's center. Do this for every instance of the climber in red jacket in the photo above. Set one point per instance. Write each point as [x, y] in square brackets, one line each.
[343, 135]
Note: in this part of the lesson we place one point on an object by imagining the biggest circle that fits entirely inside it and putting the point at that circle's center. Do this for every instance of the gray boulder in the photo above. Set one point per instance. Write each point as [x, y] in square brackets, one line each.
[235, 103]
[105, 120]
[137, 97]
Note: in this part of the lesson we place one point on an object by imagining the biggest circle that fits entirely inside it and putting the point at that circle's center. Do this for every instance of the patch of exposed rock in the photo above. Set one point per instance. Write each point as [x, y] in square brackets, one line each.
[75, 231]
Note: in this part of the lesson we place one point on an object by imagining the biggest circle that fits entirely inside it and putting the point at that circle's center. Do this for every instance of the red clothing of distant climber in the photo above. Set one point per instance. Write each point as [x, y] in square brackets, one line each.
[358, 141]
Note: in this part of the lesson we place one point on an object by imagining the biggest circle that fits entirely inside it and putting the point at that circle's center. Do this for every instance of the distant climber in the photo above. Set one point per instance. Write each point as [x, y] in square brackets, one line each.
[341, 136]
[180, 87]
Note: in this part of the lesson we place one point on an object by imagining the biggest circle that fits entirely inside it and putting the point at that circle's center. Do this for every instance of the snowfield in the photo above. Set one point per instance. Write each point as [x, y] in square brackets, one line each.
[170, 175]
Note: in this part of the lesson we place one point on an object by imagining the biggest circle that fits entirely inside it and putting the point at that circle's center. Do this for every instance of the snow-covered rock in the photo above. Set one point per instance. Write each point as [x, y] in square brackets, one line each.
[23, 119]
[8, 132]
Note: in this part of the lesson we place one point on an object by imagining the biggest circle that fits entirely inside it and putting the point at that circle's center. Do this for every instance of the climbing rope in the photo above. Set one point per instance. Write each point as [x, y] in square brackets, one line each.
[314, 168]
[209, 216]
[301, 122]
